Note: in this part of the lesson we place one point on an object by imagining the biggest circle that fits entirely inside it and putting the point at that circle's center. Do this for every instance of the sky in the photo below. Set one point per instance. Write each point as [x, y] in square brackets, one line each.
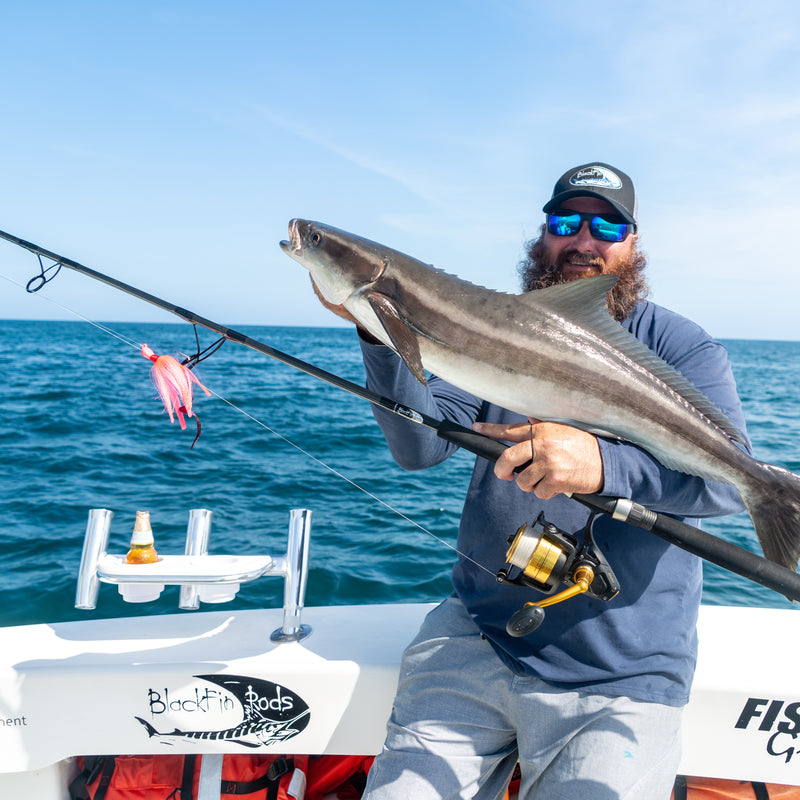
[168, 144]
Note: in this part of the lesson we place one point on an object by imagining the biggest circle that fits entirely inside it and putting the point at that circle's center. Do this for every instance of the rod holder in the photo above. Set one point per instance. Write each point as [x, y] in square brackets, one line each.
[198, 532]
[95, 542]
[295, 577]
[202, 577]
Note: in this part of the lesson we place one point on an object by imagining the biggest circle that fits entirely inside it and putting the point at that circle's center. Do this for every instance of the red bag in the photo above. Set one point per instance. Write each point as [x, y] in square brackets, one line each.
[245, 777]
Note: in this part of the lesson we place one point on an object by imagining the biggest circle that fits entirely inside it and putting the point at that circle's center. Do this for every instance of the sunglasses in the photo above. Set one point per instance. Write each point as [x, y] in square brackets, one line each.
[568, 223]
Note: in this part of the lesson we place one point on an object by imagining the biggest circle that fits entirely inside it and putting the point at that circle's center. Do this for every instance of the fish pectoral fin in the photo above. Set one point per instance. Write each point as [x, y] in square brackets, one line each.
[403, 338]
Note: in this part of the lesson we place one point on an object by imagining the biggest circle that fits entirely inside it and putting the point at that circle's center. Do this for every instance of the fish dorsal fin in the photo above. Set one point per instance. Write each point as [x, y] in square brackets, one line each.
[583, 302]
[402, 337]
[576, 298]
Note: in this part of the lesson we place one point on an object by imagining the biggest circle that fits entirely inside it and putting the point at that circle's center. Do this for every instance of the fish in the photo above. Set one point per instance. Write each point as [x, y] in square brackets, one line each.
[553, 354]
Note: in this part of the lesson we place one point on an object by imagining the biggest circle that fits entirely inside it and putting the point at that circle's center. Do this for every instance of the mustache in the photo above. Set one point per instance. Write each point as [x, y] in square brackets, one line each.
[576, 257]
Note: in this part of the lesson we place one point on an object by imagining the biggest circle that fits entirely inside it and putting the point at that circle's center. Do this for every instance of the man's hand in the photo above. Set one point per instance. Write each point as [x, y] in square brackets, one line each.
[563, 459]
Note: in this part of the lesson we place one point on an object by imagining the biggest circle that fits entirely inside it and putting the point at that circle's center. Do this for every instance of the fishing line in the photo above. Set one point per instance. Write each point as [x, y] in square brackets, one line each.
[353, 483]
[210, 350]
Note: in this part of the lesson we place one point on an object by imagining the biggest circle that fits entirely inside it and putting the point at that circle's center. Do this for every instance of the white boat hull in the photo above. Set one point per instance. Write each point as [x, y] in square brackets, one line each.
[88, 688]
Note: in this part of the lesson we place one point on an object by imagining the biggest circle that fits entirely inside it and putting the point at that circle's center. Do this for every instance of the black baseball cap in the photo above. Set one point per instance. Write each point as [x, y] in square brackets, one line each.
[596, 180]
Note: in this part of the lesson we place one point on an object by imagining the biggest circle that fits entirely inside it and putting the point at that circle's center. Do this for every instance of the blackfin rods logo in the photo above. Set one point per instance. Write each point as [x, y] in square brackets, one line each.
[601, 177]
[271, 712]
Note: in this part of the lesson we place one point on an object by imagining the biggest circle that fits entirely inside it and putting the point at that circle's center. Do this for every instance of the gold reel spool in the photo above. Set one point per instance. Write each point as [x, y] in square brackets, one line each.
[536, 556]
[540, 556]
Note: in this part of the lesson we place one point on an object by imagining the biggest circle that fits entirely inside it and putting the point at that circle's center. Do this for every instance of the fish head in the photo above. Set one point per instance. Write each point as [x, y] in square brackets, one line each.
[340, 263]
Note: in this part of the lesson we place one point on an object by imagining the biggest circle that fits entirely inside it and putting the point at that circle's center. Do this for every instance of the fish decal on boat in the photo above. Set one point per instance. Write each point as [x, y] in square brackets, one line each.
[271, 712]
[554, 354]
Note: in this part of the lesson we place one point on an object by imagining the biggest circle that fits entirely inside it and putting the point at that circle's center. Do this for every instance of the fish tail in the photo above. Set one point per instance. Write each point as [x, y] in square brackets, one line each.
[773, 501]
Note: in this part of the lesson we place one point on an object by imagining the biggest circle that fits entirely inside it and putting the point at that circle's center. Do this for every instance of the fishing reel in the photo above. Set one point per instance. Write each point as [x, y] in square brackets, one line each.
[544, 560]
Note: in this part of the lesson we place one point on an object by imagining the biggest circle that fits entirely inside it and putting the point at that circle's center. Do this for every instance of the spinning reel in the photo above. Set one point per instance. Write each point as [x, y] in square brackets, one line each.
[545, 560]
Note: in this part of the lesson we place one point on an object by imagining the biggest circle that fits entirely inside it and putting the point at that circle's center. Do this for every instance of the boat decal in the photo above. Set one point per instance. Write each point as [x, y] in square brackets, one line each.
[271, 712]
[778, 720]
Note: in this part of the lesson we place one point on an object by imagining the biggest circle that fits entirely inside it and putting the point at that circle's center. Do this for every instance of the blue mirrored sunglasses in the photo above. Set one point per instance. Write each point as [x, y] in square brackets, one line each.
[569, 223]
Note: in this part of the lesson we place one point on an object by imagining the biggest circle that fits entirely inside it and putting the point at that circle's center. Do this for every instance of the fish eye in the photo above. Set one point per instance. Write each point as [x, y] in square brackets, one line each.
[316, 237]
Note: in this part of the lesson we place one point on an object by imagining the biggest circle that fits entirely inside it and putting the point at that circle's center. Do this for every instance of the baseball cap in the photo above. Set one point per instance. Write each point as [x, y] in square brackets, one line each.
[596, 180]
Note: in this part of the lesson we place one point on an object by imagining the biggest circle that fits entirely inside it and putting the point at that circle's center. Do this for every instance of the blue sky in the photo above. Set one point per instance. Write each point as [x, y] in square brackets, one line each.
[169, 143]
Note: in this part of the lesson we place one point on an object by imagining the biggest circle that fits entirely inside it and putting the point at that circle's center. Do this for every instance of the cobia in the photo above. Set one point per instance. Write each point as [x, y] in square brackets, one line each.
[554, 354]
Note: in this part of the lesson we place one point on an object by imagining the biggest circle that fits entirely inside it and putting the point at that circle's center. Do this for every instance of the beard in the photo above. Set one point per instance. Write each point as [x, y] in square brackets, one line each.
[538, 271]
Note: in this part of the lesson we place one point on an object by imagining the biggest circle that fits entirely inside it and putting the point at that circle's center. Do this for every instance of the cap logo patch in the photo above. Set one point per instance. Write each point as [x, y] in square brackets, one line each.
[599, 177]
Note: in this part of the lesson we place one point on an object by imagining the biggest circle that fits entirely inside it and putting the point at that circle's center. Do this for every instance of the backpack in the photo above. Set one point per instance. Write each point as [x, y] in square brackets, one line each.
[244, 777]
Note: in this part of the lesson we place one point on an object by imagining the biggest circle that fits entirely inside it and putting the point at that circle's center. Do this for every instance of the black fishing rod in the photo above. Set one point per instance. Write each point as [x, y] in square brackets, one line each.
[705, 545]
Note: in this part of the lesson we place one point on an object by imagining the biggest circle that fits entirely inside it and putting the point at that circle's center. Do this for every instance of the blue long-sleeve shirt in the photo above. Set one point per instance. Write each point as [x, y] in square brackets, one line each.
[643, 643]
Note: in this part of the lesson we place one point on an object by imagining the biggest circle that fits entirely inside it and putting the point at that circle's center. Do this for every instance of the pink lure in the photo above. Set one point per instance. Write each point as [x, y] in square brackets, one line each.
[173, 382]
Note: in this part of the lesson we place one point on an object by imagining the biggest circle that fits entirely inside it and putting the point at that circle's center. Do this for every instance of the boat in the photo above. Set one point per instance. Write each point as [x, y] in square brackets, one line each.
[309, 680]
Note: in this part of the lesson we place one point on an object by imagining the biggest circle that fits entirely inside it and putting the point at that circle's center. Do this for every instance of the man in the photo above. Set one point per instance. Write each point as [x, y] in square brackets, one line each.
[590, 702]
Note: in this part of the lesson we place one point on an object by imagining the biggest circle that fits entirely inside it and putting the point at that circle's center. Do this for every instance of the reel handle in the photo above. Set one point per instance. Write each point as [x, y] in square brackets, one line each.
[531, 615]
[525, 621]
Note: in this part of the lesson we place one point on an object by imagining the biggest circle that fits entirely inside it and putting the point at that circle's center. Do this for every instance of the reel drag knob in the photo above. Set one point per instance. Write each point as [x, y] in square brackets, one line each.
[525, 621]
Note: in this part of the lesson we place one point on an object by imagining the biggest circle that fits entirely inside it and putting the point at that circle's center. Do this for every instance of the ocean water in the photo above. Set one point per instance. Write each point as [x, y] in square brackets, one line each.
[81, 428]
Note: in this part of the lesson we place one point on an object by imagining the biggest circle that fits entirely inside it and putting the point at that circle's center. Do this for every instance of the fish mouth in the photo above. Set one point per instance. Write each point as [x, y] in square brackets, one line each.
[294, 246]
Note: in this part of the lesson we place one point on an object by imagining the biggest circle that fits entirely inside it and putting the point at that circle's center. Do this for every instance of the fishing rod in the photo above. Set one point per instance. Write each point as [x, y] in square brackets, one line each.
[705, 545]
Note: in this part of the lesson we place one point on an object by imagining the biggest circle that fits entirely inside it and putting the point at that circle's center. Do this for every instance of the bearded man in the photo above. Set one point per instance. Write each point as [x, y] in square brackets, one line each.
[589, 703]
[543, 266]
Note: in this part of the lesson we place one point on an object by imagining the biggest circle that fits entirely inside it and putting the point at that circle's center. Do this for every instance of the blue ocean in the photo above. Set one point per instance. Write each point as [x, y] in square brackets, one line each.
[83, 428]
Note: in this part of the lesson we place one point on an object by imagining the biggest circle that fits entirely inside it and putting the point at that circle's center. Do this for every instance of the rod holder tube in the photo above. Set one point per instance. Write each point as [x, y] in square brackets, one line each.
[95, 542]
[198, 533]
[295, 577]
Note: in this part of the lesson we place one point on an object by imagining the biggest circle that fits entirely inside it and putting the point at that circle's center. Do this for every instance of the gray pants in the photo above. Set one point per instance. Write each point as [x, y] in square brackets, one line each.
[462, 720]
